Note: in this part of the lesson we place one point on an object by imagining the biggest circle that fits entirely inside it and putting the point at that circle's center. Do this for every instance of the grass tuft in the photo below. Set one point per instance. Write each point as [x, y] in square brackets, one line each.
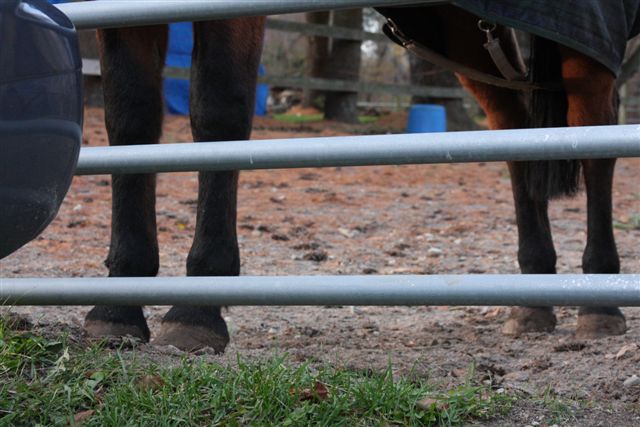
[52, 382]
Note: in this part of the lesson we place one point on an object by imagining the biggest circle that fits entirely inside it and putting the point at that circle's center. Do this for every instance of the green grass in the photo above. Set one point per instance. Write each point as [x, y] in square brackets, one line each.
[632, 224]
[309, 118]
[56, 382]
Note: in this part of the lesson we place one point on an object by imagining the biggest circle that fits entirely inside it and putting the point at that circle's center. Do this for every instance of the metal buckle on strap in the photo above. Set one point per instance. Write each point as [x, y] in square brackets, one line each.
[394, 33]
[508, 70]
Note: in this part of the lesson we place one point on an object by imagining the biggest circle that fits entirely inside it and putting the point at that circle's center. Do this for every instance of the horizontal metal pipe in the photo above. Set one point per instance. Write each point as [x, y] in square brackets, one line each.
[450, 147]
[118, 13]
[485, 289]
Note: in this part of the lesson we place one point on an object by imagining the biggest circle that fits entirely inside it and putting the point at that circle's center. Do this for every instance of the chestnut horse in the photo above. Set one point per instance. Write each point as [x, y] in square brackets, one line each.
[223, 78]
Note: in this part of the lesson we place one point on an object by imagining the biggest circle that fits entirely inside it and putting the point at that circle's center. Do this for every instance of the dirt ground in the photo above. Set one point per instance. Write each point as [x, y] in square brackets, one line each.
[375, 220]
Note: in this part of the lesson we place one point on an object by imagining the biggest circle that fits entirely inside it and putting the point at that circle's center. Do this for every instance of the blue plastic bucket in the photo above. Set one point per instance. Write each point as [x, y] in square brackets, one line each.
[427, 118]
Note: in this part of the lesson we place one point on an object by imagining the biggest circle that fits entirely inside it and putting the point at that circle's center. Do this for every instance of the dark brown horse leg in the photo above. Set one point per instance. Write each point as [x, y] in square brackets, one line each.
[131, 72]
[536, 254]
[590, 91]
[505, 109]
[225, 63]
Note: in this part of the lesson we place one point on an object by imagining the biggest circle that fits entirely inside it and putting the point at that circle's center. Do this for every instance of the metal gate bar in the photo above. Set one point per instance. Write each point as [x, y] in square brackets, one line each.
[483, 289]
[118, 13]
[451, 147]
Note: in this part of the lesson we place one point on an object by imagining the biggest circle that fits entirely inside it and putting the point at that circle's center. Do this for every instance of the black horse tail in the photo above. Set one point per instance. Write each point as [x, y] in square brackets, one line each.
[548, 108]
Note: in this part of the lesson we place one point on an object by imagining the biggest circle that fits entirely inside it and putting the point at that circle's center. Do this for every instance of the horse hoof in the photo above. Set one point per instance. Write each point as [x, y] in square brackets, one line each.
[192, 328]
[529, 319]
[105, 321]
[596, 322]
[191, 338]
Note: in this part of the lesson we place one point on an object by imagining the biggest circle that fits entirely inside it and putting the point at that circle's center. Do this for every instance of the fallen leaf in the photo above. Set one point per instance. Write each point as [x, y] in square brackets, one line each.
[83, 416]
[429, 404]
[629, 348]
[150, 382]
[319, 393]
[459, 373]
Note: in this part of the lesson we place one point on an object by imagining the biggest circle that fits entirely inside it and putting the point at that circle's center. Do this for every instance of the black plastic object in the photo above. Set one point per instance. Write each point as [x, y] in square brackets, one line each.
[40, 117]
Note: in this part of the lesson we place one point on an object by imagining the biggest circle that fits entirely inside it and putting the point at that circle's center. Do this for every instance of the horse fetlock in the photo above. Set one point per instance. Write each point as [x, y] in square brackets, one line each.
[529, 319]
[226, 263]
[599, 322]
[603, 262]
[537, 262]
[116, 321]
[122, 265]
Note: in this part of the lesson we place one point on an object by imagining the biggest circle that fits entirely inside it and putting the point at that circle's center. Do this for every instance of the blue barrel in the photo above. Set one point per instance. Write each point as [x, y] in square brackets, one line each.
[427, 118]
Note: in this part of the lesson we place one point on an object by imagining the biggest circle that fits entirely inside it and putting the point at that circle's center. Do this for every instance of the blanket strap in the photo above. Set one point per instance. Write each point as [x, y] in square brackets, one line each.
[512, 79]
[500, 59]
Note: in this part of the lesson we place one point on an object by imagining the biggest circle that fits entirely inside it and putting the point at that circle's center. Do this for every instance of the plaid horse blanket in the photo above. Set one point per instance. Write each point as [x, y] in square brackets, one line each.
[598, 28]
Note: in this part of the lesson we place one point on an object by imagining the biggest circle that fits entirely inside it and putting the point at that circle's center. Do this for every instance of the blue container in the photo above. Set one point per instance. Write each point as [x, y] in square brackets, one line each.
[427, 118]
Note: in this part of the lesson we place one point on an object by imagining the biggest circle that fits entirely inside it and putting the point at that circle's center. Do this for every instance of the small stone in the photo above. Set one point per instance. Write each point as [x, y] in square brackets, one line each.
[170, 349]
[632, 381]
[517, 376]
[434, 252]
[346, 233]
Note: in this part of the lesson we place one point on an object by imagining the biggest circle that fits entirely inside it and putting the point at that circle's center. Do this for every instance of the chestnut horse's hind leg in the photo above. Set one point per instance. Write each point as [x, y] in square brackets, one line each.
[506, 109]
[536, 254]
[225, 63]
[132, 61]
[591, 99]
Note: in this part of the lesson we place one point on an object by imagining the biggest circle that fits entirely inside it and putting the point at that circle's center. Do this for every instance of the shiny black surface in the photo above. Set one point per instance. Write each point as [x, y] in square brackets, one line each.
[40, 117]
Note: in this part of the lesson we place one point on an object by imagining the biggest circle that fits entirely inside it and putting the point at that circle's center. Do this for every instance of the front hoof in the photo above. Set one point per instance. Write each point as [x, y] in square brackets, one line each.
[116, 321]
[523, 320]
[600, 322]
[193, 328]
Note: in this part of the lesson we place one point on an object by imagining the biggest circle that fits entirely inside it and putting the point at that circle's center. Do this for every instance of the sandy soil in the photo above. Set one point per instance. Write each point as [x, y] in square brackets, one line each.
[376, 220]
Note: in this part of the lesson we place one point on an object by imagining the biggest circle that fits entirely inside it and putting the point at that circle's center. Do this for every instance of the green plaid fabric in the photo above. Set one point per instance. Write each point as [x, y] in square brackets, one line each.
[597, 28]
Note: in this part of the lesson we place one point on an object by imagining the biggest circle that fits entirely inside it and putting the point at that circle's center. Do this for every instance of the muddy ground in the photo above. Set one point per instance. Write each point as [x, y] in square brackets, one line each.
[376, 220]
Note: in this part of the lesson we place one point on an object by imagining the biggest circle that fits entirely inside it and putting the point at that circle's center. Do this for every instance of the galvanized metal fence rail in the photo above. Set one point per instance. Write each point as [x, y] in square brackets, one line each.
[533, 144]
[451, 147]
[483, 289]
[117, 13]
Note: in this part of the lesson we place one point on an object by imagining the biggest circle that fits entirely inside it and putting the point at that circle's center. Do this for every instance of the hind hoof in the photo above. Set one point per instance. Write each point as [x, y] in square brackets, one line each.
[194, 328]
[523, 320]
[191, 338]
[596, 322]
[105, 321]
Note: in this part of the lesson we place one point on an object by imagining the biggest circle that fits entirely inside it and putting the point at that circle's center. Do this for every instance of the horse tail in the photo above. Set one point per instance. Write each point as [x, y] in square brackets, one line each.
[548, 108]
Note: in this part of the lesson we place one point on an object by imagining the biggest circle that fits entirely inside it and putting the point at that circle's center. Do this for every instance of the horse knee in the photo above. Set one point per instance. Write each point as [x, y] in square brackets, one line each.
[215, 123]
